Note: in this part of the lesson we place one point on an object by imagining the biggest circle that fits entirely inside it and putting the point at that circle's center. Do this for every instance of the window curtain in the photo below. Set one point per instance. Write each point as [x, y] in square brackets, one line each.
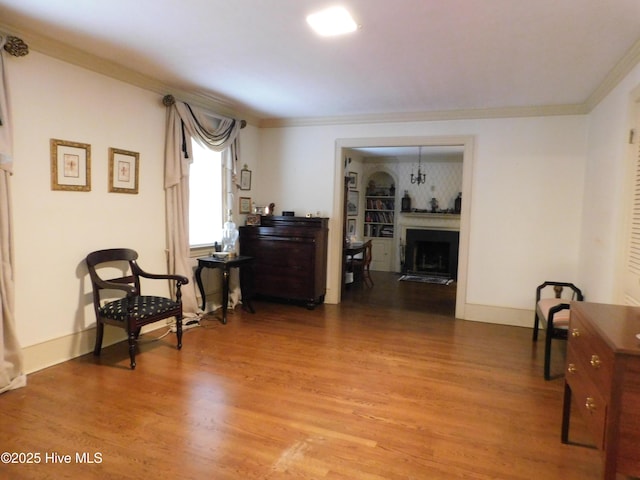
[11, 363]
[213, 131]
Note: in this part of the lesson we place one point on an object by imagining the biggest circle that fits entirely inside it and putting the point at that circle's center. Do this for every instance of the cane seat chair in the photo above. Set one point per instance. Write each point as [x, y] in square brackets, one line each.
[118, 301]
[553, 313]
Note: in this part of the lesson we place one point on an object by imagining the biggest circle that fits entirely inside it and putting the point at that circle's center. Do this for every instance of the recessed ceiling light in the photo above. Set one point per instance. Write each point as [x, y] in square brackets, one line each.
[332, 21]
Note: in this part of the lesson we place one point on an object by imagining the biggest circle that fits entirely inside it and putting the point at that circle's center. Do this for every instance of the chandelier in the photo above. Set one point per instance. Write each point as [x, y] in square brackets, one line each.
[420, 177]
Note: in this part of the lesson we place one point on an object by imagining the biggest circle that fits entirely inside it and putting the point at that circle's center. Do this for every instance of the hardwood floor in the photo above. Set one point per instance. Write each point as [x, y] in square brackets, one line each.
[379, 387]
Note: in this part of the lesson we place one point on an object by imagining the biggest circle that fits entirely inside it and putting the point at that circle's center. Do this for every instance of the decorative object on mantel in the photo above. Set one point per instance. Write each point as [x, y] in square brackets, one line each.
[420, 177]
[458, 204]
[406, 202]
[434, 205]
[15, 46]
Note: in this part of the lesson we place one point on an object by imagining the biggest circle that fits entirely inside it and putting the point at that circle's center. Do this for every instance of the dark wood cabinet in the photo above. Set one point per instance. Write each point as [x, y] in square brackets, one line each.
[290, 257]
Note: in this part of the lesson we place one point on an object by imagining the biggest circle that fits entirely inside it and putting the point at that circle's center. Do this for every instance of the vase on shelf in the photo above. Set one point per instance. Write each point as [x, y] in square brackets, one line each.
[406, 202]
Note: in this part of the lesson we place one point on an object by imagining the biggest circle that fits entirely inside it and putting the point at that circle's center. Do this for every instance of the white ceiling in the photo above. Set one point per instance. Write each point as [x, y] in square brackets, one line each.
[410, 58]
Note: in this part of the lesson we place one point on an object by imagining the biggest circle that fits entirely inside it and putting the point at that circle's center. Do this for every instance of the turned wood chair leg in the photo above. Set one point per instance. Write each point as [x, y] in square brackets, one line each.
[99, 335]
[132, 349]
[179, 331]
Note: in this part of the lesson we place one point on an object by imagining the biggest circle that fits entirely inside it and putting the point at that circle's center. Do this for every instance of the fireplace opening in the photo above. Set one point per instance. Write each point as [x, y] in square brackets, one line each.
[431, 252]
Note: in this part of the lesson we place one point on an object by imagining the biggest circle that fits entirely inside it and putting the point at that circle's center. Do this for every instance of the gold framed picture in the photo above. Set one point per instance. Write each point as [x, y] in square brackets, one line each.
[70, 165]
[245, 205]
[123, 171]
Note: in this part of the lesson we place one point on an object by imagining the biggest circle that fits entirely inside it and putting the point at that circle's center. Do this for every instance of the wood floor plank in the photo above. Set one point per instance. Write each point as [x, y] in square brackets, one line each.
[387, 385]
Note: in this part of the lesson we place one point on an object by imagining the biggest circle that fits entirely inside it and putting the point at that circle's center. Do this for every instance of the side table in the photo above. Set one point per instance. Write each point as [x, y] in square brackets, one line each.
[226, 265]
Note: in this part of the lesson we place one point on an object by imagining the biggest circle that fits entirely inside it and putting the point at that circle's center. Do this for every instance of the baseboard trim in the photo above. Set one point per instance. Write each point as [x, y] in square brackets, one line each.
[58, 350]
[515, 317]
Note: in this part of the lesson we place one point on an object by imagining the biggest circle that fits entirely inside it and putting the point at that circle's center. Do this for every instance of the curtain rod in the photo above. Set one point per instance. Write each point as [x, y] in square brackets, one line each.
[15, 46]
[169, 100]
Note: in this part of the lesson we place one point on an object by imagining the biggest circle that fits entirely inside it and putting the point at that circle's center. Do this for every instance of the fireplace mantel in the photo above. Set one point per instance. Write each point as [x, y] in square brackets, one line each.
[430, 221]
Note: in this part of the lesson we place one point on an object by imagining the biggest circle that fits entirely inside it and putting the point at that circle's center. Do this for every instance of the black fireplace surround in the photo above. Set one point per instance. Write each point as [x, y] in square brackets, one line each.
[431, 252]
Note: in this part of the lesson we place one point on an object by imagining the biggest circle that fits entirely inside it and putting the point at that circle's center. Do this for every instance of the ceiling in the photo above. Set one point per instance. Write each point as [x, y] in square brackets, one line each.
[410, 59]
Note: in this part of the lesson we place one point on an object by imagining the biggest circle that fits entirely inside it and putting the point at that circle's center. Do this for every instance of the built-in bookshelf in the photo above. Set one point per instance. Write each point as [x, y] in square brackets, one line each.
[379, 216]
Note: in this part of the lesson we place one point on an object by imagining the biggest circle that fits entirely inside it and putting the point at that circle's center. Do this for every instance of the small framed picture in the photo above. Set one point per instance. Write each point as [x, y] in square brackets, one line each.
[353, 180]
[123, 171]
[245, 205]
[352, 203]
[351, 227]
[253, 219]
[245, 179]
[70, 166]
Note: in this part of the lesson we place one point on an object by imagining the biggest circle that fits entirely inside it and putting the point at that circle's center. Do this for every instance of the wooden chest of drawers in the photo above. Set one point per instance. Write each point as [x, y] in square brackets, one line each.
[602, 382]
[290, 257]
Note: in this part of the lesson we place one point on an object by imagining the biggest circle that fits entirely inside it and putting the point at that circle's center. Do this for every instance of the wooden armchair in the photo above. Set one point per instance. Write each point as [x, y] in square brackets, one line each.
[553, 313]
[360, 266]
[133, 310]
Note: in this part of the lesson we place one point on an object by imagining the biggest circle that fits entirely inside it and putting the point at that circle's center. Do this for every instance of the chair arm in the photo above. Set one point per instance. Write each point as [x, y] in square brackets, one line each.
[555, 309]
[180, 279]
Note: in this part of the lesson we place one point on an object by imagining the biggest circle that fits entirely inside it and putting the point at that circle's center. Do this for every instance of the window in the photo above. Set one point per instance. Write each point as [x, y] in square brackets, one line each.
[205, 197]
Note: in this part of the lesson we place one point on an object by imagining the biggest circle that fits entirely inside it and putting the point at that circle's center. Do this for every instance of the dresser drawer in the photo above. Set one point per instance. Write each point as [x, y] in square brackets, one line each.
[591, 404]
[588, 350]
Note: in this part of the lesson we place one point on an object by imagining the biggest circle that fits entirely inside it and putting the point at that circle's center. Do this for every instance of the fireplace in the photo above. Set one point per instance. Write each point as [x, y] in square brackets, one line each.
[431, 252]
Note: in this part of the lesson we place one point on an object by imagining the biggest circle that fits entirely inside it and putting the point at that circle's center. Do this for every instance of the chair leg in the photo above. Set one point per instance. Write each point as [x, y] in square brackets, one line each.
[99, 335]
[547, 355]
[536, 327]
[179, 330]
[132, 349]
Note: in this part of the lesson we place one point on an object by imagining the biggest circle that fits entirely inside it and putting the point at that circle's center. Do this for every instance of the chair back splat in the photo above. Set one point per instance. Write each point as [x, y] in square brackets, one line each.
[118, 301]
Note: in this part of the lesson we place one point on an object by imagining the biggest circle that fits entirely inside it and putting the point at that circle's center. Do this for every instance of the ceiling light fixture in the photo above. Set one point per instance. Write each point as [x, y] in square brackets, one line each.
[332, 21]
[421, 177]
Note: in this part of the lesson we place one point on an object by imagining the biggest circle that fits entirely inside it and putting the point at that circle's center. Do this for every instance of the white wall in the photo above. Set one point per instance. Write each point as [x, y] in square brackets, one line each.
[603, 242]
[54, 230]
[528, 180]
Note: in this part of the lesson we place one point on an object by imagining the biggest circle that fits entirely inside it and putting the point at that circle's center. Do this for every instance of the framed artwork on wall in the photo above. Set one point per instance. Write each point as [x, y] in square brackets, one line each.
[245, 205]
[353, 180]
[70, 165]
[352, 203]
[245, 179]
[123, 171]
[351, 227]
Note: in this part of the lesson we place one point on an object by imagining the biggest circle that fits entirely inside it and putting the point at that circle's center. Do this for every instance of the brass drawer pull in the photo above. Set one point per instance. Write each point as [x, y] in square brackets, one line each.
[595, 361]
[572, 368]
[590, 404]
[575, 333]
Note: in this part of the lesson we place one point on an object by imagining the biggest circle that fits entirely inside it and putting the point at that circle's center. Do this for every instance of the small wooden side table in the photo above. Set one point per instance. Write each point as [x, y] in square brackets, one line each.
[226, 265]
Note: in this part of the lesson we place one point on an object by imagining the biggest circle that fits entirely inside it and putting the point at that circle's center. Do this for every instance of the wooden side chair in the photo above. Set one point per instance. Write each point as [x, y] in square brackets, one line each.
[361, 266]
[553, 313]
[130, 310]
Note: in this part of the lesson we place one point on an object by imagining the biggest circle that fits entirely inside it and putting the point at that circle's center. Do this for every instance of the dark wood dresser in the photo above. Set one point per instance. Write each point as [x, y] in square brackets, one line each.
[602, 382]
[290, 257]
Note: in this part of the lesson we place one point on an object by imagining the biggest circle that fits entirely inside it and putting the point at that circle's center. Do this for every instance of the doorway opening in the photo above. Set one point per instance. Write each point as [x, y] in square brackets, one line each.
[465, 144]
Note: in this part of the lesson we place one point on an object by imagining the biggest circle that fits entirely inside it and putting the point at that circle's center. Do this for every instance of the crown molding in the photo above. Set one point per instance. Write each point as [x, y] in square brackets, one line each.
[615, 76]
[76, 56]
[443, 115]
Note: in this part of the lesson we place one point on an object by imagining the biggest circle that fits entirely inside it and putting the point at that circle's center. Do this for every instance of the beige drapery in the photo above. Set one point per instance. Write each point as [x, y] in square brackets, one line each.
[212, 131]
[11, 374]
